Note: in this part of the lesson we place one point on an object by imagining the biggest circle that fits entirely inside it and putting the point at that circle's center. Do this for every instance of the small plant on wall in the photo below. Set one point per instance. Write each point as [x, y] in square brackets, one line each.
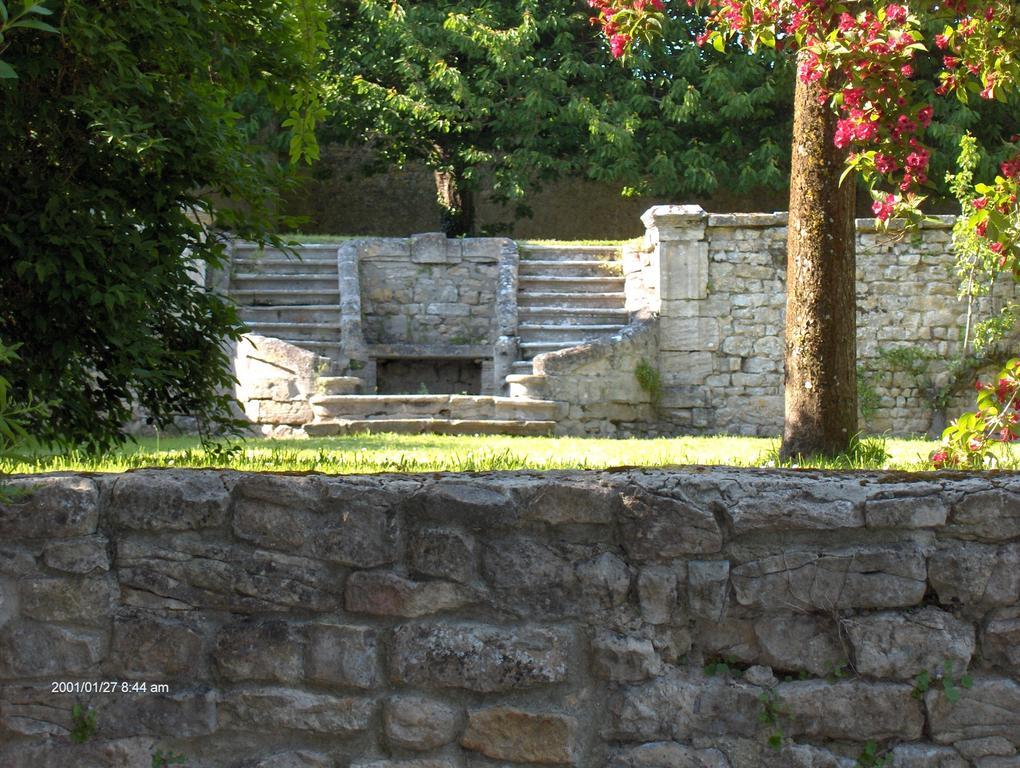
[650, 380]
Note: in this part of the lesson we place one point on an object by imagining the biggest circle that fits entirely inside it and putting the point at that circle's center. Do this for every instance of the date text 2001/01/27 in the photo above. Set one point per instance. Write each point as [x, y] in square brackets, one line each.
[107, 686]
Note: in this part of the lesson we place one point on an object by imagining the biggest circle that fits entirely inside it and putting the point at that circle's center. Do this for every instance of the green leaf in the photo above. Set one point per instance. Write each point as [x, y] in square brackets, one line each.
[719, 42]
[42, 10]
[42, 26]
[3, 11]
[7, 71]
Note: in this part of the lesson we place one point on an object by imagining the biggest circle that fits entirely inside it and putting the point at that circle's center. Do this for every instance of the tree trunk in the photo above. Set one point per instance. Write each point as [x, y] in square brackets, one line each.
[457, 204]
[821, 321]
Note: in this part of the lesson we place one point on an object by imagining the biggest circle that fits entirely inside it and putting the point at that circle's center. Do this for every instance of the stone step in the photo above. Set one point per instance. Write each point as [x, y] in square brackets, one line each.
[297, 280]
[339, 385]
[561, 336]
[527, 385]
[285, 267]
[278, 297]
[305, 331]
[293, 313]
[417, 426]
[531, 251]
[332, 407]
[570, 268]
[540, 283]
[574, 314]
[328, 349]
[585, 300]
[521, 367]
[531, 348]
[321, 251]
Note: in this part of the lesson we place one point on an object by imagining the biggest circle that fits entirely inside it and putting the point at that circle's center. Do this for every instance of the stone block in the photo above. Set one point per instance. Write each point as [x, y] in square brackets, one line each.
[262, 650]
[661, 528]
[603, 582]
[192, 571]
[484, 659]
[991, 746]
[31, 650]
[185, 713]
[434, 248]
[159, 647]
[80, 600]
[907, 512]
[87, 555]
[974, 575]
[476, 505]
[443, 553]
[279, 412]
[103, 753]
[387, 594]
[577, 503]
[339, 655]
[1000, 640]
[530, 577]
[883, 576]
[992, 515]
[168, 501]
[688, 334]
[50, 508]
[657, 593]
[926, 756]
[901, 645]
[520, 736]
[301, 758]
[795, 642]
[708, 585]
[668, 754]
[347, 521]
[624, 659]
[989, 708]
[728, 638]
[420, 723]
[851, 710]
[263, 710]
[768, 504]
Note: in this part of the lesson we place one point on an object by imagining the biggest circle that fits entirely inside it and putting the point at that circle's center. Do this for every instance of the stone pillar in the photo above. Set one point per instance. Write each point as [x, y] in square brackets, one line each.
[688, 333]
[352, 337]
[506, 349]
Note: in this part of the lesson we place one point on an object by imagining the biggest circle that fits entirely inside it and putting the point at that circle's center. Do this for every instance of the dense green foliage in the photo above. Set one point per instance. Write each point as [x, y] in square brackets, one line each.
[511, 93]
[115, 139]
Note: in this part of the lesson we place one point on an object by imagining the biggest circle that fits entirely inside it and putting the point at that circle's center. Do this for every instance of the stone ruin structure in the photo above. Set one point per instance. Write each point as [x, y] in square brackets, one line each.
[680, 332]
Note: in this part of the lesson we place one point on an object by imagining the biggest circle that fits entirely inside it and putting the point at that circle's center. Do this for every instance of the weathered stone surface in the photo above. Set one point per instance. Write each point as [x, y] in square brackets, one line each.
[998, 762]
[424, 763]
[560, 503]
[795, 641]
[887, 576]
[49, 507]
[189, 570]
[990, 707]
[668, 754]
[907, 512]
[268, 709]
[826, 506]
[975, 574]
[624, 659]
[851, 709]
[343, 655]
[476, 505]
[505, 733]
[84, 556]
[679, 706]
[34, 710]
[1000, 640]
[419, 723]
[167, 500]
[298, 759]
[992, 515]
[443, 554]
[926, 756]
[485, 659]
[972, 749]
[185, 713]
[708, 585]
[657, 593]
[351, 522]
[159, 647]
[30, 650]
[76, 599]
[793, 755]
[731, 639]
[262, 650]
[662, 528]
[901, 645]
[386, 594]
[530, 576]
[604, 582]
[118, 753]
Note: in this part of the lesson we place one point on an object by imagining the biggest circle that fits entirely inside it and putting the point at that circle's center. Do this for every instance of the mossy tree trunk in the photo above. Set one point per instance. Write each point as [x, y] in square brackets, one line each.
[821, 323]
[456, 201]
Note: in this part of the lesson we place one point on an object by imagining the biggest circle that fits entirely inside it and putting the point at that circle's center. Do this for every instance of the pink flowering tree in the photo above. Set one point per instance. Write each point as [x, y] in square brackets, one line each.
[857, 112]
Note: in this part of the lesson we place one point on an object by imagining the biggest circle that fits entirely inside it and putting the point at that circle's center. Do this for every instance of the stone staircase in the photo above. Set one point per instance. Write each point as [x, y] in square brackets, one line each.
[567, 295]
[297, 301]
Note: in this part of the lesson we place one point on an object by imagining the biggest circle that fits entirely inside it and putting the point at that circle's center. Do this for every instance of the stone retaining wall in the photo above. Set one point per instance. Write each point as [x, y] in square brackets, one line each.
[631, 619]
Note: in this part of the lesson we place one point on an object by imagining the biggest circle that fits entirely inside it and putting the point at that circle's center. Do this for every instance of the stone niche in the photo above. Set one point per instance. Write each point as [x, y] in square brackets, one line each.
[441, 376]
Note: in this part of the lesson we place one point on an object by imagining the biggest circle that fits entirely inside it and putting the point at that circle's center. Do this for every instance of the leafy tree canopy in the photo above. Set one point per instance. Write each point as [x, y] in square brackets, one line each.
[116, 137]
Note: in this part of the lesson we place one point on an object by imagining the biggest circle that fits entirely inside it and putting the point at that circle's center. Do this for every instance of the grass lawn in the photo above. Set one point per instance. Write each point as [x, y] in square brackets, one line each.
[434, 453]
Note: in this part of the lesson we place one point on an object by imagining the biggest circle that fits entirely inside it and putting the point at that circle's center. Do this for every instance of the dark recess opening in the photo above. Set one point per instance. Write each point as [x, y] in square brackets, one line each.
[433, 377]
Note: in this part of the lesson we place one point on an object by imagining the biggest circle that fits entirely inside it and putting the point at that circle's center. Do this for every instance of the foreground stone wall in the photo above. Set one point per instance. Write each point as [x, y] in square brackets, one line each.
[630, 619]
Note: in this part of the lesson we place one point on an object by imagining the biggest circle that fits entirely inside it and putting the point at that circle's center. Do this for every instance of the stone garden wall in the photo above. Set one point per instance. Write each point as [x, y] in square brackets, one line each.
[633, 619]
[719, 283]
